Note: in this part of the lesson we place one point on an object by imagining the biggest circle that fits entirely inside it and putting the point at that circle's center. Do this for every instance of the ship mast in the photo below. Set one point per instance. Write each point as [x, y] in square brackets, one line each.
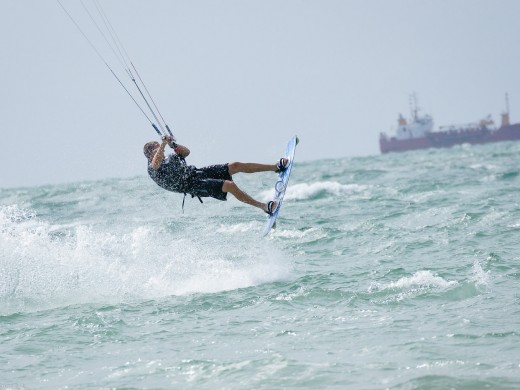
[413, 106]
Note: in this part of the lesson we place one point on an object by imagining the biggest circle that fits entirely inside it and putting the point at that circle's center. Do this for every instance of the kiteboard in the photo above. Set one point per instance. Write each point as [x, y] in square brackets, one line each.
[281, 184]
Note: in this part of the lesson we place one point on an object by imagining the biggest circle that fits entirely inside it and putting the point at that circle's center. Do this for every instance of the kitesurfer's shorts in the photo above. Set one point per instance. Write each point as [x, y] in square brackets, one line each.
[209, 181]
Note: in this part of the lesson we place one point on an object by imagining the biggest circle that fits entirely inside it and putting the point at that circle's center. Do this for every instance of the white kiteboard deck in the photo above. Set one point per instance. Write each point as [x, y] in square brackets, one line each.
[281, 184]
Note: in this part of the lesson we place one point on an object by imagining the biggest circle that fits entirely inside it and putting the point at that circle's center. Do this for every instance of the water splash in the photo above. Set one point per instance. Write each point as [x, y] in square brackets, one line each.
[44, 264]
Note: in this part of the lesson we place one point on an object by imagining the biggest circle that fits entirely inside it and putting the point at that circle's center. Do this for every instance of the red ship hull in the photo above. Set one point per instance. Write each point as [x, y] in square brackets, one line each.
[446, 139]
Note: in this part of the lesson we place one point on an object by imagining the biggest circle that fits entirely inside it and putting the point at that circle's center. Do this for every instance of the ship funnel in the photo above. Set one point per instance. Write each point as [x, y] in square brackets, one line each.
[505, 115]
[505, 119]
[401, 120]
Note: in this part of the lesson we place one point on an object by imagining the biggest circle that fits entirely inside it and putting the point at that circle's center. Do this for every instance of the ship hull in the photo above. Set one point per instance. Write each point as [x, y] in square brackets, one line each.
[446, 139]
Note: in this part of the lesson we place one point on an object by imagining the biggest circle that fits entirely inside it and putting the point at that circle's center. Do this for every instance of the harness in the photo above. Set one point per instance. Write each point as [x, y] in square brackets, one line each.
[190, 185]
[193, 196]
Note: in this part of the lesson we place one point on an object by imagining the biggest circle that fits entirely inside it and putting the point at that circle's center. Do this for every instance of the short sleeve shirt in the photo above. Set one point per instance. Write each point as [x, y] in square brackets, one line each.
[173, 174]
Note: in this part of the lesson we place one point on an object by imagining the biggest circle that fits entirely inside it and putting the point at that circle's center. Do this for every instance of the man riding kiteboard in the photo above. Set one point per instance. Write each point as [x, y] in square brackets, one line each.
[173, 174]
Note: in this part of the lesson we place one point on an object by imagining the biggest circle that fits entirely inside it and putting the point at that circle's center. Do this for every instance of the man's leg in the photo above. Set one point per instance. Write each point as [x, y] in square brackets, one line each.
[238, 167]
[232, 188]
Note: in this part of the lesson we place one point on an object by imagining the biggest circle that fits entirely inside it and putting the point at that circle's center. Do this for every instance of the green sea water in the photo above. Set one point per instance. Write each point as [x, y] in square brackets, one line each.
[398, 271]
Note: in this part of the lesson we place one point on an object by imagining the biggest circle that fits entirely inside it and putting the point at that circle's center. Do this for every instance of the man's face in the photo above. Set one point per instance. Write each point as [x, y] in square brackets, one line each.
[151, 149]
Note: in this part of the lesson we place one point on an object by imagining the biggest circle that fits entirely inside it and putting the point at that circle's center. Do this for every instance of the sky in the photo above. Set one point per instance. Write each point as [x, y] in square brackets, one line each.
[235, 79]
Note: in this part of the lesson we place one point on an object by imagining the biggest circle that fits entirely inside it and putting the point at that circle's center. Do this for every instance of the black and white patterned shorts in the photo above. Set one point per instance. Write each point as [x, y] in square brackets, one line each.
[208, 181]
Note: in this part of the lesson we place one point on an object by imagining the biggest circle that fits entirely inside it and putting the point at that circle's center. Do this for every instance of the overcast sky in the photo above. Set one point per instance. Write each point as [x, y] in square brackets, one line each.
[236, 78]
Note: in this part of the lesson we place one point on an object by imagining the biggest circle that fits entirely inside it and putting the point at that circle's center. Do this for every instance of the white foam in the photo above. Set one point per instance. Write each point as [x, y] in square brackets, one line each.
[240, 227]
[312, 233]
[300, 292]
[420, 279]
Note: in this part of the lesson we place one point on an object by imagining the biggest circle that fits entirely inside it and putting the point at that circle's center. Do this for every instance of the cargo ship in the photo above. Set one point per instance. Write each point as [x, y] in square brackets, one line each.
[417, 133]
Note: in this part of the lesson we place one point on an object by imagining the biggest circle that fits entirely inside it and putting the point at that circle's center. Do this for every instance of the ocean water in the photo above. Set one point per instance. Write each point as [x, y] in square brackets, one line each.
[397, 271]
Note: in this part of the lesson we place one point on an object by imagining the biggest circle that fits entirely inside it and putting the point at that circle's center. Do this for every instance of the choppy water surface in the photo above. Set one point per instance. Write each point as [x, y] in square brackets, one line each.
[396, 271]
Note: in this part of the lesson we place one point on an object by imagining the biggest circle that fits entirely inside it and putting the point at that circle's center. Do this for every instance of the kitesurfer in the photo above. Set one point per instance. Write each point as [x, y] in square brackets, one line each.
[173, 174]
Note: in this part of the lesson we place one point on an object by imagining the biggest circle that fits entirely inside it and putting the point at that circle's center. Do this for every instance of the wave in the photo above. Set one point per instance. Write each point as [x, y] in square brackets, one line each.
[425, 282]
[409, 287]
[421, 279]
[320, 189]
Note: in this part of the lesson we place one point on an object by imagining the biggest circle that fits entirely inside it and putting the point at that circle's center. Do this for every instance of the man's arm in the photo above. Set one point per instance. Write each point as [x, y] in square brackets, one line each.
[181, 150]
[159, 156]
